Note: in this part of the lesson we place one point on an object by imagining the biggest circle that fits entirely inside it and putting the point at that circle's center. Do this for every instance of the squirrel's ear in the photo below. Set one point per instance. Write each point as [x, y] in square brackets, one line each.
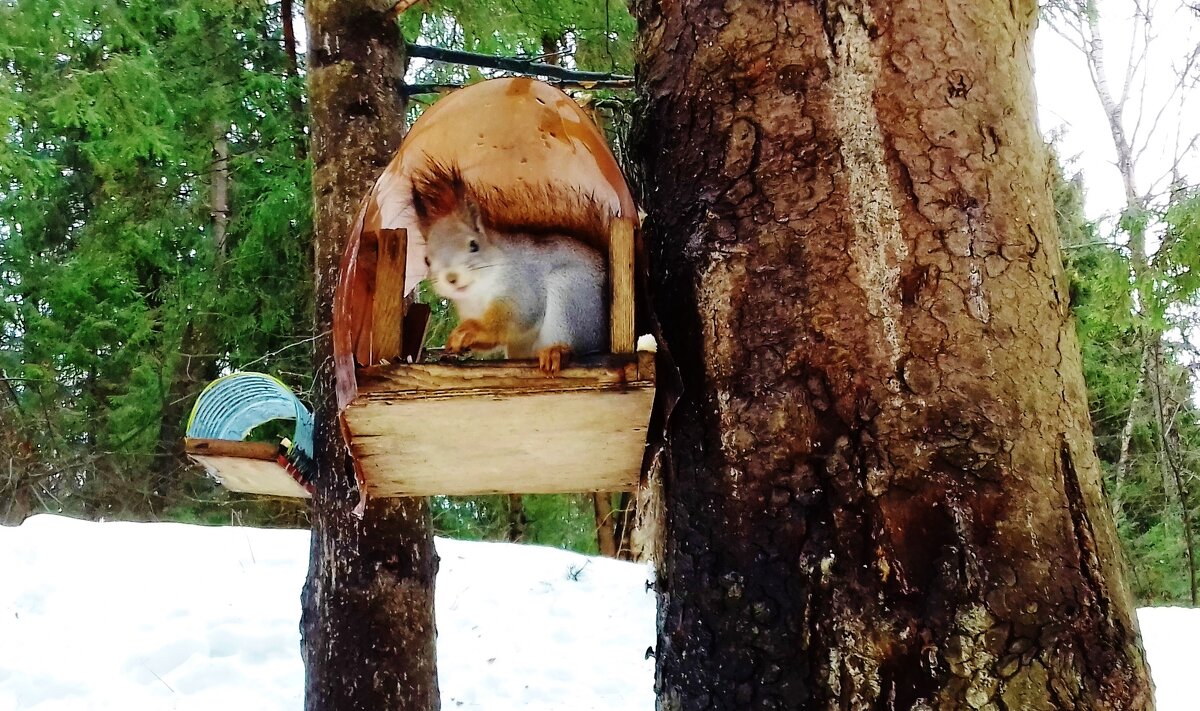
[472, 214]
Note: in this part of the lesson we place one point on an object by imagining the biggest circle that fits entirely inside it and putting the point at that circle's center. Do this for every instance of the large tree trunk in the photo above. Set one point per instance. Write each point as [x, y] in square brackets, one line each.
[368, 622]
[880, 486]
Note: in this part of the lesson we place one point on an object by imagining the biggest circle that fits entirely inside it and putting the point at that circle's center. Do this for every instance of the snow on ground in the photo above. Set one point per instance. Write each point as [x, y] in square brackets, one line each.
[150, 617]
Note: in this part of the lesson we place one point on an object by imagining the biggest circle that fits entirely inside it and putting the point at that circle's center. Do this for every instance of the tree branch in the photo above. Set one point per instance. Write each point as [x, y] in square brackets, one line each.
[510, 64]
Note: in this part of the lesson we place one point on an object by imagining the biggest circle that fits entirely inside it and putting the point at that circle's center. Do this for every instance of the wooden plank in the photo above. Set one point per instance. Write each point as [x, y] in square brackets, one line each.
[252, 476]
[368, 258]
[620, 270]
[549, 442]
[387, 313]
[611, 372]
[263, 451]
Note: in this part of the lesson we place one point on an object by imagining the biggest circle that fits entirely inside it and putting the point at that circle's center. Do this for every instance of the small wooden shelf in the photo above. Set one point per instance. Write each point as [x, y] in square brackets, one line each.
[247, 467]
[487, 427]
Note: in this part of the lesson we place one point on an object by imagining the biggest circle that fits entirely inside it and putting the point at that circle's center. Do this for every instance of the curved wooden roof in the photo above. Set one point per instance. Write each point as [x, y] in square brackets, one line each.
[526, 150]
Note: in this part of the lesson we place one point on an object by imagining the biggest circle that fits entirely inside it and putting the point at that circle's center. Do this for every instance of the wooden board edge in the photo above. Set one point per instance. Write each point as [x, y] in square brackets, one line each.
[271, 478]
[377, 491]
[615, 373]
[258, 451]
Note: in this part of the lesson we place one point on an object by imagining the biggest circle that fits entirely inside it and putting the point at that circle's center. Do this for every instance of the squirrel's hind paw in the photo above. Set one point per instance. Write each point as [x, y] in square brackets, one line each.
[552, 358]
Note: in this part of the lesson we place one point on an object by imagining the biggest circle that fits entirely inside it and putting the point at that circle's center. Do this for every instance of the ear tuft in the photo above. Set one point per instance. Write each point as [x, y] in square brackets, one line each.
[472, 215]
[437, 191]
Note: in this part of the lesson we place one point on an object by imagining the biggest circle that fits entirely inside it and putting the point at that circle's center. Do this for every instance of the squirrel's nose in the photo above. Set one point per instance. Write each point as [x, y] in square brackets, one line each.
[452, 278]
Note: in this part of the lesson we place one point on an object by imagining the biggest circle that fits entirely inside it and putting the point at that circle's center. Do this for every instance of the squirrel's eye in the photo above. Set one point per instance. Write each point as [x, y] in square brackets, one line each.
[427, 261]
[474, 246]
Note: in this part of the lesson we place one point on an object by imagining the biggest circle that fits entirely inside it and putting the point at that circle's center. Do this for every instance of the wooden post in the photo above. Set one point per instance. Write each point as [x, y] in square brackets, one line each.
[388, 312]
[620, 276]
[368, 259]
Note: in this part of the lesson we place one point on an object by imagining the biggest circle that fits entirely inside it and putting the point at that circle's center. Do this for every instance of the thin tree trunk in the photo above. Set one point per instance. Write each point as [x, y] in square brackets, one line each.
[1189, 538]
[17, 462]
[219, 204]
[1135, 210]
[1173, 480]
[286, 19]
[880, 484]
[15, 508]
[606, 539]
[1125, 456]
[287, 15]
[623, 526]
[196, 365]
[367, 624]
[516, 518]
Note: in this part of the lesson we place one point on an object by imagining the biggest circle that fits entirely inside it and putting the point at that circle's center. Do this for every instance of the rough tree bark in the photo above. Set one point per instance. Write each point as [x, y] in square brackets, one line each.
[880, 485]
[368, 627]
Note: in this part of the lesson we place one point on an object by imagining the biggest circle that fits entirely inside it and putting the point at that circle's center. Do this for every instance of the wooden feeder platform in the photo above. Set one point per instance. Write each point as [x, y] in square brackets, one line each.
[246, 467]
[483, 427]
[227, 412]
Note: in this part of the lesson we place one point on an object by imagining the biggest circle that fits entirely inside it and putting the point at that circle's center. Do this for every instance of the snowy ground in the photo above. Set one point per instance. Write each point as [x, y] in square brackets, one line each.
[149, 617]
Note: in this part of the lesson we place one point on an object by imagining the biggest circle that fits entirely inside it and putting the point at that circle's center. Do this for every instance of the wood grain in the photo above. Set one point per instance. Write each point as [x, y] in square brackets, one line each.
[428, 380]
[620, 270]
[483, 443]
[252, 476]
[388, 311]
[264, 451]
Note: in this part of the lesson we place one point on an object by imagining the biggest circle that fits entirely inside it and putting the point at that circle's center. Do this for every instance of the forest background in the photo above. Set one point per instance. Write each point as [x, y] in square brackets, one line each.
[155, 233]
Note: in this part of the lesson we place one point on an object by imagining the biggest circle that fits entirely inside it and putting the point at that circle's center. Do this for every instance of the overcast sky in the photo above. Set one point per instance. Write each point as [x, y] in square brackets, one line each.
[1067, 100]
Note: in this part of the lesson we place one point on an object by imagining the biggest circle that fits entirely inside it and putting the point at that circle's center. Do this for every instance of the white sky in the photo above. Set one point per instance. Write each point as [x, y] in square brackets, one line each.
[1067, 100]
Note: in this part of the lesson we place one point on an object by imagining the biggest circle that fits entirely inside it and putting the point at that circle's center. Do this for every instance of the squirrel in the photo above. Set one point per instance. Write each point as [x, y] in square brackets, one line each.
[529, 292]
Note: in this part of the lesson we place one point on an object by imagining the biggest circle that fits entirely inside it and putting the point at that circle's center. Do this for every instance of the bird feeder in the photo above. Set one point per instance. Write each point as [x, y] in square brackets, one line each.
[419, 428]
[227, 411]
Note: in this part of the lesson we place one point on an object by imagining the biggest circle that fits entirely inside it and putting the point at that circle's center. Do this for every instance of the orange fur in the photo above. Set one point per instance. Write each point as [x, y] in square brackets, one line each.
[482, 334]
[552, 359]
[439, 189]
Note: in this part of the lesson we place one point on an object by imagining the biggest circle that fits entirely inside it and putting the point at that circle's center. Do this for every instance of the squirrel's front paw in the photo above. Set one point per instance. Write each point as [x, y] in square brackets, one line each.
[469, 335]
[552, 358]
